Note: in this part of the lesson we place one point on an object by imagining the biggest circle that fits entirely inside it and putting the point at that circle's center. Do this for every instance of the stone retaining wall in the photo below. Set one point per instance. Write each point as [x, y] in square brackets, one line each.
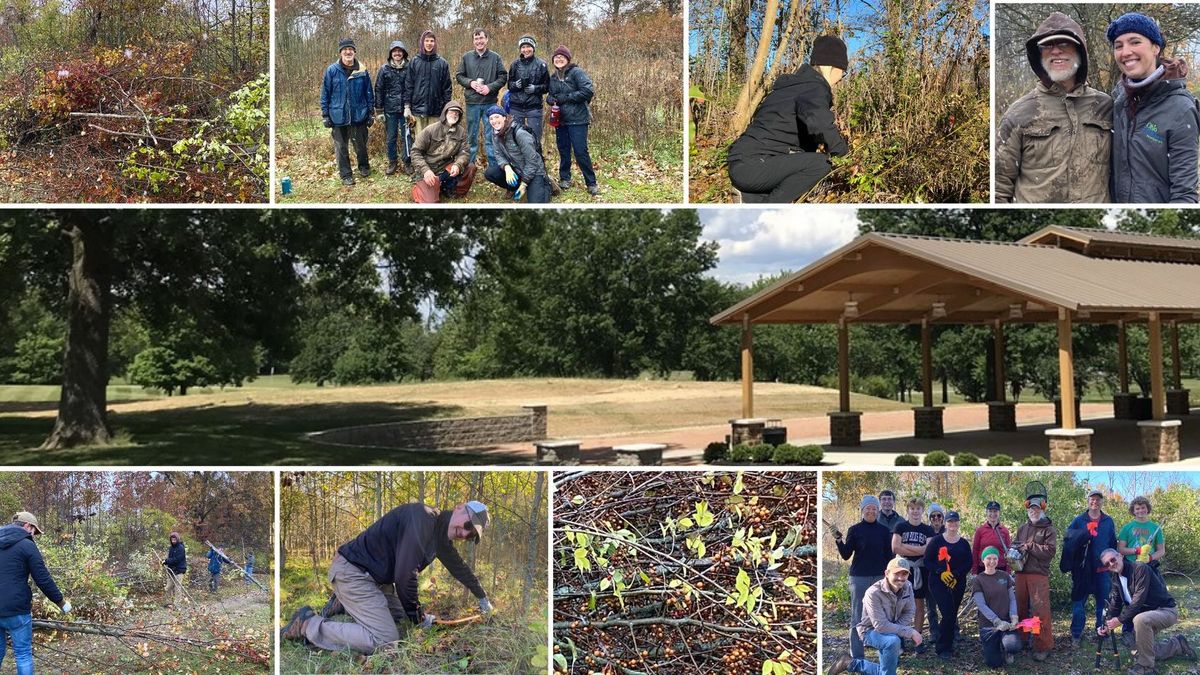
[460, 432]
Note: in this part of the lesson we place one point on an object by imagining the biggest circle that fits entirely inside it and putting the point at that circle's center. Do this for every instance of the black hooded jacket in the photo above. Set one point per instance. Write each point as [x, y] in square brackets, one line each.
[19, 560]
[529, 71]
[395, 548]
[176, 558]
[796, 116]
[427, 82]
[390, 81]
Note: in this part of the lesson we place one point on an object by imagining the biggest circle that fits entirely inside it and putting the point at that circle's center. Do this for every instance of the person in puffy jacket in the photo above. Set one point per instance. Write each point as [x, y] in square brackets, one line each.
[426, 85]
[528, 82]
[570, 91]
[374, 577]
[1156, 122]
[991, 532]
[348, 106]
[518, 166]
[785, 150]
[441, 165]
[389, 100]
[20, 560]
[176, 564]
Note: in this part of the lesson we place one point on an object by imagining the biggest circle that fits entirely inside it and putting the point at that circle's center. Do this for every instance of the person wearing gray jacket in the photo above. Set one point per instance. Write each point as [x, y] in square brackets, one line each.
[887, 620]
[1156, 122]
[518, 167]
[481, 73]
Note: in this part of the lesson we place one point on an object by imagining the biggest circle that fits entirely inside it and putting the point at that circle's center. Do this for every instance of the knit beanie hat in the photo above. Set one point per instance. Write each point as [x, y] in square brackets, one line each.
[346, 42]
[1135, 23]
[828, 50]
[562, 49]
[991, 550]
[495, 110]
[526, 40]
[868, 500]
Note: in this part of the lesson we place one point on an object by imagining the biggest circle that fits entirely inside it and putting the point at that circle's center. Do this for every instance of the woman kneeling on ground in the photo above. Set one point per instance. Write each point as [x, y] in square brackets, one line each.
[995, 596]
[518, 168]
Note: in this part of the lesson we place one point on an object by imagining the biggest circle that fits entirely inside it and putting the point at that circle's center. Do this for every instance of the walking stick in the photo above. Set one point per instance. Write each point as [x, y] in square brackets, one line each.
[237, 567]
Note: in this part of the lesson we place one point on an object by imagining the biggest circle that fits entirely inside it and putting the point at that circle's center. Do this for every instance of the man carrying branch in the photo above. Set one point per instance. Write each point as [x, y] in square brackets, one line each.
[176, 564]
[216, 556]
[20, 560]
[374, 577]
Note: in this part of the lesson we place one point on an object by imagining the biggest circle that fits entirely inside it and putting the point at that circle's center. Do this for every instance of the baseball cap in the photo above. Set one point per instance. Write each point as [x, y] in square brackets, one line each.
[27, 517]
[899, 562]
[993, 505]
[478, 514]
[1095, 493]
[953, 515]
[1054, 37]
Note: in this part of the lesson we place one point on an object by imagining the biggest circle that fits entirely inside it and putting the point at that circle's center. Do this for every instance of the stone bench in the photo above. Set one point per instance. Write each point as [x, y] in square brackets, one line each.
[639, 454]
[557, 452]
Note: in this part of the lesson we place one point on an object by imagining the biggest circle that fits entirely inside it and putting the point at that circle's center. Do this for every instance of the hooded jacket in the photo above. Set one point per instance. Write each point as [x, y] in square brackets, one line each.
[438, 145]
[395, 548]
[489, 68]
[1053, 145]
[1041, 542]
[1146, 592]
[19, 560]
[390, 81]
[347, 100]
[427, 81]
[796, 116]
[514, 146]
[572, 90]
[529, 71]
[888, 611]
[1155, 136]
[176, 558]
[214, 561]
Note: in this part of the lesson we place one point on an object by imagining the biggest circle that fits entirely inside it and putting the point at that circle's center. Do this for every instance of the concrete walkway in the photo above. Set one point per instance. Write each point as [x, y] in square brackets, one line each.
[887, 434]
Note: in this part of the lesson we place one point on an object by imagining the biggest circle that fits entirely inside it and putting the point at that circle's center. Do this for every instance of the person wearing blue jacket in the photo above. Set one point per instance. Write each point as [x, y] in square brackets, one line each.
[347, 107]
[176, 564]
[20, 560]
[570, 92]
[1095, 531]
[215, 557]
[249, 568]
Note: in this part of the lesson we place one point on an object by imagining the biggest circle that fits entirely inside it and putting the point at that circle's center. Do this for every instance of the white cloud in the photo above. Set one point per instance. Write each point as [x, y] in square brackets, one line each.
[760, 242]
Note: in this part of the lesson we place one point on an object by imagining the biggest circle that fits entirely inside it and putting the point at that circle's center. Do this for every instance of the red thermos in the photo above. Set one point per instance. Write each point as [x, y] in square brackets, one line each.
[554, 116]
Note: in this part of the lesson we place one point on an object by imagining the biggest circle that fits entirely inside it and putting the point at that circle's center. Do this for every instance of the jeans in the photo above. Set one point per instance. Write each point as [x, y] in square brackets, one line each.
[531, 120]
[537, 191]
[20, 629]
[345, 136]
[249, 573]
[888, 645]
[397, 135]
[1101, 585]
[476, 113]
[858, 588]
[574, 137]
[996, 644]
[778, 179]
[214, 581]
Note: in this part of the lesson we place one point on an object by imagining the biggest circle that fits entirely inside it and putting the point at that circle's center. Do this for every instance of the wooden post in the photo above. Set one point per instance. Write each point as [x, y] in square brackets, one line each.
[1001, 384]
[1066, 369]
[1122, 357]
[926, 364]
[747, 368]
[1176, 369]
[1157, 395]
[843, 366]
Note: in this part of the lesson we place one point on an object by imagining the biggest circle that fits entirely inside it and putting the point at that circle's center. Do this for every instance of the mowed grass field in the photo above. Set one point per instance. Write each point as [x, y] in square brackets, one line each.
[264, 422]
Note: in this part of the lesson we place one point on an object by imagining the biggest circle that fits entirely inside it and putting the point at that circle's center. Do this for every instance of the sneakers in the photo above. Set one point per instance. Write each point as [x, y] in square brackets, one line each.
[1076, 641]
[365, 173]
[348, 181]
[1184, 648]
[593, 190]
[565, 184]
[923, 647]
[332, 607]
[840, 664]
[391, 169]
[294, 630]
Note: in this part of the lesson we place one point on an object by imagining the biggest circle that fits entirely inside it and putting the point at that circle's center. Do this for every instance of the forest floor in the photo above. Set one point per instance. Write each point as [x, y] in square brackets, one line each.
[240, 613]
[264, 421]
[1063, 659]
[508, 642]
[304, 153]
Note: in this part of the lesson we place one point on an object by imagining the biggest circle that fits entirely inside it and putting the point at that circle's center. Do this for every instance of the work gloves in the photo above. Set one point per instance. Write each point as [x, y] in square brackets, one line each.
[517, 84]
[66, 607]
[328, 122]
[520, 192]
[948, 579]
[427, 622]
[485, 606]
[1002, 625]
[408, 115]
[510, 176]
[530, 89]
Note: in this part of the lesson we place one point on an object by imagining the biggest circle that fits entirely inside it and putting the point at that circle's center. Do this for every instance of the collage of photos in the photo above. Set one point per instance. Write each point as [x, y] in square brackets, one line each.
[752, 337]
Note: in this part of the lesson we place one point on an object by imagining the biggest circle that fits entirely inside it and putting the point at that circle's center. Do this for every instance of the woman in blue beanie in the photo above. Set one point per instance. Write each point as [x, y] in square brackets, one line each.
[1156, 122]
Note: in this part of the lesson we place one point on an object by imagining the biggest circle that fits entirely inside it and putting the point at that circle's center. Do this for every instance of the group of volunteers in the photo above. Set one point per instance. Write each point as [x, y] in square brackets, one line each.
[437, 138]
[905, 569]
[1066, 142]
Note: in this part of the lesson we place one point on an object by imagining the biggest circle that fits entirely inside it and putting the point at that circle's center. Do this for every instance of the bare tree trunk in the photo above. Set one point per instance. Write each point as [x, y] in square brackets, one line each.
[756, 87]
[739, 19]
[82, 415]
[531, 556]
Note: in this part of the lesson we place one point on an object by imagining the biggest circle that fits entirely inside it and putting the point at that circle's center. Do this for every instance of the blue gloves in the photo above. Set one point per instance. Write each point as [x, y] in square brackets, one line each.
[485, 606]
[520, 192]
[510, 176]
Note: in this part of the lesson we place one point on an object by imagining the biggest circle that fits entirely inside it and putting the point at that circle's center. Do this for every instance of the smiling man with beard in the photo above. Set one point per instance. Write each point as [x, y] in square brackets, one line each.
[1053, 144]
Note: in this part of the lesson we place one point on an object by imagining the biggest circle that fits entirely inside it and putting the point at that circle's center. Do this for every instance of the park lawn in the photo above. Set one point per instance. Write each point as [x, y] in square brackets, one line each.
[1063, 660]
[305, 154]
[263, 422]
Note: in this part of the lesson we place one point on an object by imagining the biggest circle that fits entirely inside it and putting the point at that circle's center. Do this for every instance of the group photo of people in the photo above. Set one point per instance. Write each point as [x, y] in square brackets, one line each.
[1093, 104]
[556, 105]
[952, 572]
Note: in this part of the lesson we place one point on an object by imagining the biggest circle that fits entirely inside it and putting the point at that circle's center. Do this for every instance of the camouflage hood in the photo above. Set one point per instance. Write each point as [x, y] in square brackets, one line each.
[1057, 24]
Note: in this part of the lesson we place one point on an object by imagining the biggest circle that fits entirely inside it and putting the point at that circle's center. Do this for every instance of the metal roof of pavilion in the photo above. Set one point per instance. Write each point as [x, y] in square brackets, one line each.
[1112, 244]
[893, 278]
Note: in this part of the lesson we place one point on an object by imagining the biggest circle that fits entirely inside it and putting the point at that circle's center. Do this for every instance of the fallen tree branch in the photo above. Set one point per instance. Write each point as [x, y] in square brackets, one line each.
[237, 567]
[629, 623]
[474, 618]
[106, 630]
[114, 116]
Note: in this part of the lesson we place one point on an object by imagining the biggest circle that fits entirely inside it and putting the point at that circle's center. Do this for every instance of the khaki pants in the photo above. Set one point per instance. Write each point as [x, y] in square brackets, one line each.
[1033, 599]
[173, 593]
[1145, 628]
[422, 122]
[371, 605]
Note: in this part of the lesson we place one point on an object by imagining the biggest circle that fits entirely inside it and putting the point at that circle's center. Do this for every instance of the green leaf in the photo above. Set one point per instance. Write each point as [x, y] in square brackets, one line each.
[685, 523]
[560, 661]
[592, 602]
[577, 500]
[644, 577]
[768, 667]
[605, 584]
[704, 517]
[738, 485]
[674, 583]
[792, 631]
[581, 560]
[790, 581]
